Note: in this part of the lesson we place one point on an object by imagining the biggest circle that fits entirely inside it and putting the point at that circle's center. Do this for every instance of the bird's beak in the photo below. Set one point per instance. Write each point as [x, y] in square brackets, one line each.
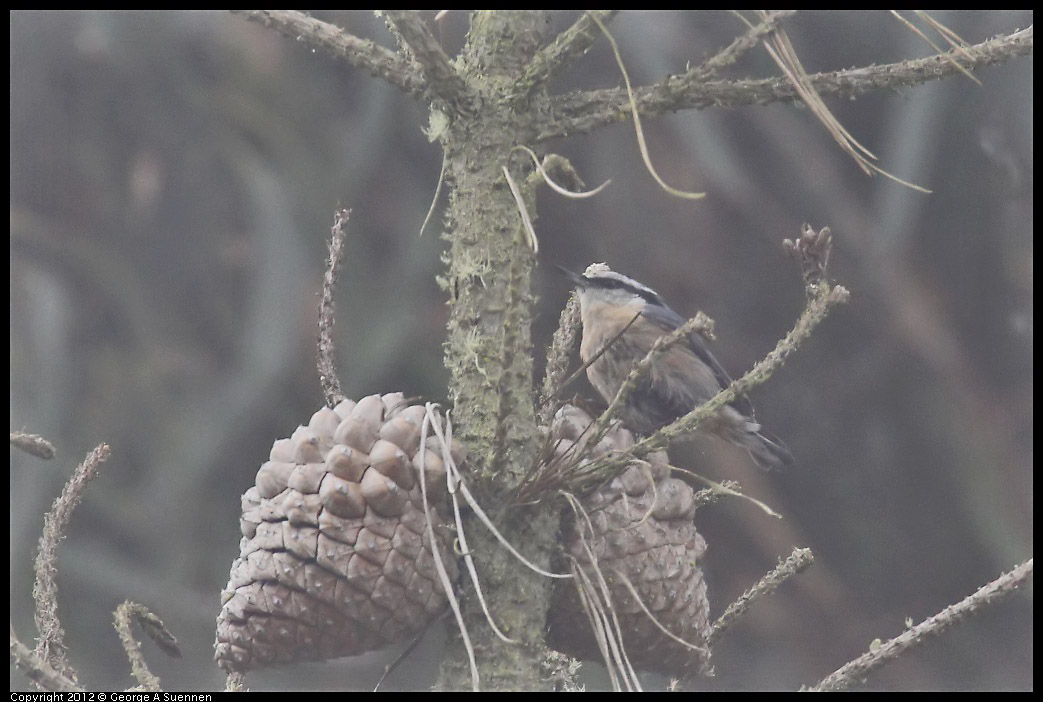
[576, 279]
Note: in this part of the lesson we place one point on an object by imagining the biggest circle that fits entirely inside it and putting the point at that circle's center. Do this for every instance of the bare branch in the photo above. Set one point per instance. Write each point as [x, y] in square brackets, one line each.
[565, 50]
[33, 444]
[797, 562]
[334, 41]
[878, 655]
[327, 365]
[442, 79]
[38, 670]
[585, 111]
[51, 645]
[739, 46]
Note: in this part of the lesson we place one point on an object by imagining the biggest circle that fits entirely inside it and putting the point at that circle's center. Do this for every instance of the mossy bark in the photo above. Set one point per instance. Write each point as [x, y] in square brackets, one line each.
[488, 349]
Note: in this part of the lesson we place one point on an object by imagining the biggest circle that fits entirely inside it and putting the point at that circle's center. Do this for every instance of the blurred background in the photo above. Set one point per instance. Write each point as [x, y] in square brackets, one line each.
[173, 180]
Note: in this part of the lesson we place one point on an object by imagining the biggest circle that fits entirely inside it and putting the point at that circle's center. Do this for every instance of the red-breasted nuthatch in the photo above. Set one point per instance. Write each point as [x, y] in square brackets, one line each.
[684, 377]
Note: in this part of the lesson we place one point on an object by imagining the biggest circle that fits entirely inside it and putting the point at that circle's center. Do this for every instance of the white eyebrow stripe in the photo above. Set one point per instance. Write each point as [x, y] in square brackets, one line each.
[619, 277]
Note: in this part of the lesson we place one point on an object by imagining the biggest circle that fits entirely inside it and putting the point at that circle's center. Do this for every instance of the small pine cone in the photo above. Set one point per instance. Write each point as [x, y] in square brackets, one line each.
[335, 559]
[643, 532]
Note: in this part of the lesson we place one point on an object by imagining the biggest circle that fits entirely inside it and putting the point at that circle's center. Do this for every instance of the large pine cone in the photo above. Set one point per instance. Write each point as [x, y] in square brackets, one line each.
[643, 532]
[334, 559]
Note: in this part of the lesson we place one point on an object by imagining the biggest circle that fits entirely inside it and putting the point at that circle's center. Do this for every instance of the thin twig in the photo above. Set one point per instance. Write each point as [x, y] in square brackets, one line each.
[726, 489]
[798, 562]
[958, 46]
[442, 79]
[641, 369]
[327, 365]
[858, 669]
[600, 352]
[739, 46]
[33, 444]
[336, 42]
[584, 111]
[50, 647]
[38, 670]
[565, 50]
[815, 311]
[153, 626]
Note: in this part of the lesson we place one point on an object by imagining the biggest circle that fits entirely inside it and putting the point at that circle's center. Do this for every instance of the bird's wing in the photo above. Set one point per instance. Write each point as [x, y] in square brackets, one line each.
[669, 320]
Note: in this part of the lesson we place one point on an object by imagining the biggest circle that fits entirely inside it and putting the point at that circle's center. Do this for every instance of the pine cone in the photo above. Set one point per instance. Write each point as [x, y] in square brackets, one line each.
[643, 532]
[335, 559]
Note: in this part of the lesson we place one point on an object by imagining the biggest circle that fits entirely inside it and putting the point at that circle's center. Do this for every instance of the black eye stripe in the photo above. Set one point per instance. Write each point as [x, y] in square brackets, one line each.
[616, 284]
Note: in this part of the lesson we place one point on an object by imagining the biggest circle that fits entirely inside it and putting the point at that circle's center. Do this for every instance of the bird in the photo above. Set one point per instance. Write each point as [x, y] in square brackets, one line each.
[685, 376]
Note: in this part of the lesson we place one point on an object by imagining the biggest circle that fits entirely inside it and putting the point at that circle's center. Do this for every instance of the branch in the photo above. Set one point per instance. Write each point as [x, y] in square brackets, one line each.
[38, 670]
[51, 645]
[329, 379]
[566, 49]
[812, 250]
[334, 41]
[878, 655]
[699, 323]
[739, 46]
[585, 111]
[798, 561]
[442, 79]
[153, 626]
[817, 309]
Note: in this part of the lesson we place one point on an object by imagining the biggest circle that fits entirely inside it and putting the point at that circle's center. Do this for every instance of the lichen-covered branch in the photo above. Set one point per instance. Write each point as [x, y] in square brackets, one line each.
[812, 251]
[33, 444]
[737, 48]
[565, 50]
[816, 310]
[327, 364]
[335, 42]
[856, 671]
[50, 647]
[584, 111]
[797, 562]
[699, 323]
[38, 670]
[125, 615]
[442, 79]
[558, 355]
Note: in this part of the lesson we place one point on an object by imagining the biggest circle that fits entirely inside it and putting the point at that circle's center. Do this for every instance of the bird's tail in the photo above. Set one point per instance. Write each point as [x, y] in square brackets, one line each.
[767, 450]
